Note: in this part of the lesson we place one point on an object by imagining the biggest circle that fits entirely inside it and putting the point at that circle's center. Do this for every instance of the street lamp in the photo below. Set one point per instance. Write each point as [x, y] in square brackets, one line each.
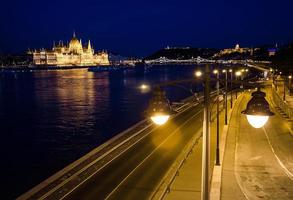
[257, 110]
[237, 74]
[206, 138]
[198, 73]
[290, 83]
[226, 93]
[159, 108]
[218, 117]
[144, 88]
[284, 94]
[231, 88]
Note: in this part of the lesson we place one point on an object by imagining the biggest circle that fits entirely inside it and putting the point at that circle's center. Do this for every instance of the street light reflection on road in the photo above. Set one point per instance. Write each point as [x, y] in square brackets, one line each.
[173, 136]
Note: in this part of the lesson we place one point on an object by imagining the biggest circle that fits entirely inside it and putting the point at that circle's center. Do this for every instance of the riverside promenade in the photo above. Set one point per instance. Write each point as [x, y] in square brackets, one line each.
[255, 163]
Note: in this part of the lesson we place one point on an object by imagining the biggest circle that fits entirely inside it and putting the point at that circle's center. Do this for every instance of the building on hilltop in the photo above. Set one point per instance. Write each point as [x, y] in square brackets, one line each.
[73, 54]
[237, 49]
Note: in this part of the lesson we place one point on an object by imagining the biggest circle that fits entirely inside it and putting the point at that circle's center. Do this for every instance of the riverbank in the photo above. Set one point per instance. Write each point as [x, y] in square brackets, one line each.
[38, 68]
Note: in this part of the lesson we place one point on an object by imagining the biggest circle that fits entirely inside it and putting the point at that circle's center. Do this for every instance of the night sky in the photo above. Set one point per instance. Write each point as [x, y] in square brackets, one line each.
[138, 27]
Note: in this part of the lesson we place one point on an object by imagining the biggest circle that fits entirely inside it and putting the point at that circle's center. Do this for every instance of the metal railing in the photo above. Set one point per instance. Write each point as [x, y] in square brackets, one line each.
[283, 105]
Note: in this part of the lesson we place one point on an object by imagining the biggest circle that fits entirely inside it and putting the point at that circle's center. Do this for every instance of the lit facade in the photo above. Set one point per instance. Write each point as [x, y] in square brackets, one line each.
[237, 49]
[73, 54]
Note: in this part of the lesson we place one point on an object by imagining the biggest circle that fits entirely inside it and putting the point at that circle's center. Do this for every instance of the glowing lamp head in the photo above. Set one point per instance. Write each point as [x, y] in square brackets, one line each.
[198, 73]
[216, 71]
[257, 110]
[160, 119]
[159, 109]
[257, 121]
[290, 77]
[144, 88]
[238, 73]
[224, 71]
[230, 70]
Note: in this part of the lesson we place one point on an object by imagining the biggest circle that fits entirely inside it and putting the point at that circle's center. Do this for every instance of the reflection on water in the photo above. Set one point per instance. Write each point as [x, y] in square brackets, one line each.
[51, 118]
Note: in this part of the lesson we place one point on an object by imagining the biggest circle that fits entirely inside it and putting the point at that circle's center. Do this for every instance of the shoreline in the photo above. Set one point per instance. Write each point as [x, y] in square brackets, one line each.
[49, 68]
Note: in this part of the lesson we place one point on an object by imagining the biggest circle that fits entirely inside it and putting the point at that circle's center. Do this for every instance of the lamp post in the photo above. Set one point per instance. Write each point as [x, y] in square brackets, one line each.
[284, 94]
[226, 93]
[218, 118]
[237, 74]
[290, 83]
[231, 88]
[206, 137]
[206, 134]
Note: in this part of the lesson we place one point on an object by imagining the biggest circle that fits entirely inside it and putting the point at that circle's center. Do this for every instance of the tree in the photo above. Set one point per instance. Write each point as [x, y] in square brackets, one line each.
[283, 60]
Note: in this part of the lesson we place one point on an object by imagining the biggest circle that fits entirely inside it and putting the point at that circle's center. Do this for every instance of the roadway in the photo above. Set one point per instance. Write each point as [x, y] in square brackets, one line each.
[136, 173]
[258, 163]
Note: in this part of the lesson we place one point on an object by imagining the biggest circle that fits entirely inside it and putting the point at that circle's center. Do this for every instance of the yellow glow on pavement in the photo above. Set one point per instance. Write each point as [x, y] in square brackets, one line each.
[171, 139]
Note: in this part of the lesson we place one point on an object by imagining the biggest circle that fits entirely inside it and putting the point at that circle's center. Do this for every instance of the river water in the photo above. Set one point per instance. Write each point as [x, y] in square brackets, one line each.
[51, 118]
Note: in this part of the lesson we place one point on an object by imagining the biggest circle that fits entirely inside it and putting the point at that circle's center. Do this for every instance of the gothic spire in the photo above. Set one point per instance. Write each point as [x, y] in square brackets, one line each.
[89, 47]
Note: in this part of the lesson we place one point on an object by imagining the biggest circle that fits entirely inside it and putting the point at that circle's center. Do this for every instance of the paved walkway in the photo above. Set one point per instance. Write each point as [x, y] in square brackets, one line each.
[187, 185]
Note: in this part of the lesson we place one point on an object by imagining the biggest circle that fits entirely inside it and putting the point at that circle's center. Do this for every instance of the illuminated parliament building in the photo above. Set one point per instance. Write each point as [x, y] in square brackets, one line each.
[73, 54]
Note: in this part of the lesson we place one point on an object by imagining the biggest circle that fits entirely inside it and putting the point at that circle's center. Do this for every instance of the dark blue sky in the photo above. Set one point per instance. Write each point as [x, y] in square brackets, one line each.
[139, 27]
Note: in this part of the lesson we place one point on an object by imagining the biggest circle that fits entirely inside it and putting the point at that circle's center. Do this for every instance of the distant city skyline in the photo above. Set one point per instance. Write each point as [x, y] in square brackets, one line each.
[134, 28]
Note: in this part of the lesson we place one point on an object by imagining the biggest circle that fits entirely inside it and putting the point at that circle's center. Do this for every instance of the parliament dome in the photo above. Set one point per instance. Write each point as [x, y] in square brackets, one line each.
[74, 45]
